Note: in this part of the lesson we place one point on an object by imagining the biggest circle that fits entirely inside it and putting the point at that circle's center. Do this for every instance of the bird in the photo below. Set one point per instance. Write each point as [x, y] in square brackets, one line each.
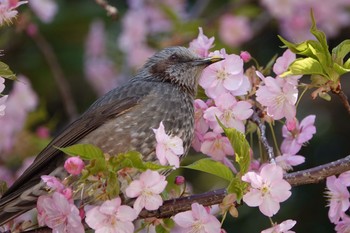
[163, 90]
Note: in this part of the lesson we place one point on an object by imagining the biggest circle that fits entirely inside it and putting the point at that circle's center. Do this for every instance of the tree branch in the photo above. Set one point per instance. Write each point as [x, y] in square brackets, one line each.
[174, 206]
[343, 99]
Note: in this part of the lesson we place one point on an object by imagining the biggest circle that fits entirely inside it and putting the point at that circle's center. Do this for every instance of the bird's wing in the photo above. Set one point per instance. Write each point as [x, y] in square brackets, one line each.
[71, 135]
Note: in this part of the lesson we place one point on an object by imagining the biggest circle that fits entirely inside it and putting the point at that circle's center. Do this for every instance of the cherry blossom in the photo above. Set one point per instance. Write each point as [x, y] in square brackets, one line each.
[343, 226]
[225, 76]
[245, 55]
[202, 44]
[338, 195]
[7, 10]
[283, 227]
[234, 30]
[111, 216]
[298, 135]
[279, 98]
[56, 185]
[281, 65]
[267, 189]
[287, 161]
[201, 124]
[230, 112]
[168, 147]
[44, 9]
[74, 165]
[57, 213]
[147, 190]
[216, 146]
[196, 220]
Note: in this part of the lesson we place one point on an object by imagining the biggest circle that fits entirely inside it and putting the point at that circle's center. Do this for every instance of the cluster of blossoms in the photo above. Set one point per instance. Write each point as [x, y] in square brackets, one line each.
[294, 20]
[19, 103]
[44, 9]
[339, 201]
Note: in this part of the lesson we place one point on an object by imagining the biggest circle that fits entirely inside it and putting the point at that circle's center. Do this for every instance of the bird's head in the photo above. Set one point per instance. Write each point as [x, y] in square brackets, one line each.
[178, 65]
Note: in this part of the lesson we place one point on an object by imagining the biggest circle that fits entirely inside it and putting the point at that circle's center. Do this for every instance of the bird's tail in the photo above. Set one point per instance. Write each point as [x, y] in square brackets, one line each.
[19, 202]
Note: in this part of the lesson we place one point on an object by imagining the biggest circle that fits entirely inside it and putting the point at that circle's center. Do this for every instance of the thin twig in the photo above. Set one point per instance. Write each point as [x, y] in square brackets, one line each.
[255, 117]
[57, 72]
[111, 10]
[344, 100]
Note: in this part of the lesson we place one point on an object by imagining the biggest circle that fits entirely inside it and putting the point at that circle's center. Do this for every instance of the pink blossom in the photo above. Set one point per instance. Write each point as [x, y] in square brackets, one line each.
[287, 161]
[281, 65]
[111, 216]
[338, 195]
[278, 98]
[201, 124]
[44, 9]
[196, 220]
[234, 30]
[283, 227]
[202, 44]
[21, 100]
[225, 76]
[58, 214]
[218, 147]
[246, 57]
[7, 10]
[99, 69]
[168, 147]
[74, 165]
[345, 178]
[294, 139]
[197, 141]
[267, 189]
[343, 226]
[3, 100]
[147, 190]
[230, 112]
[56, 185]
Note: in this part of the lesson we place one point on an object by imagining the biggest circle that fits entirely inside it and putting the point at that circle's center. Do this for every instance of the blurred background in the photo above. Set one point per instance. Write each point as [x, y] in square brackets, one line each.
[68, 53]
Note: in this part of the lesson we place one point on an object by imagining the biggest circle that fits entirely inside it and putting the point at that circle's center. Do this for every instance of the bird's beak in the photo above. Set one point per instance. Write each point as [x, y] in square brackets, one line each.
[208, 61]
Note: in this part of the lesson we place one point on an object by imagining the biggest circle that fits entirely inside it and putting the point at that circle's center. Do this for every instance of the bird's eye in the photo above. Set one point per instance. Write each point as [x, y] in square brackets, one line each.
[174, 57]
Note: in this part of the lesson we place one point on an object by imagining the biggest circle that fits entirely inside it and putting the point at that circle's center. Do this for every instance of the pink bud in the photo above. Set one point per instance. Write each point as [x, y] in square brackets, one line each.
[67, 193]
[291, 124]
[43, 132]
[32, 29]
[245, 56]
[74, 165]
[179, 180]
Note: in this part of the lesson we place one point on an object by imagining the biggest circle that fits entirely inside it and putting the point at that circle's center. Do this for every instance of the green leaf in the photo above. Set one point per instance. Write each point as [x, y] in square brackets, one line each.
[240, 146]
[166, 226]
[212, 167]
[341, 51]
[320, 36]
[156, 167]
[302, 48]
[112, 188]
[95, 166]
[132, 159]
[302, 66]
[238, 187]
[84, 151]
[340, 69]
[5, 71]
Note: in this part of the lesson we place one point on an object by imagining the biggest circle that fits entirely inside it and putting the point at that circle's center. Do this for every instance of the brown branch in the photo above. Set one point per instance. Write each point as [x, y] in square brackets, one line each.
[308, 176]
[57, 72]
[343, 99]
[174, 206]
